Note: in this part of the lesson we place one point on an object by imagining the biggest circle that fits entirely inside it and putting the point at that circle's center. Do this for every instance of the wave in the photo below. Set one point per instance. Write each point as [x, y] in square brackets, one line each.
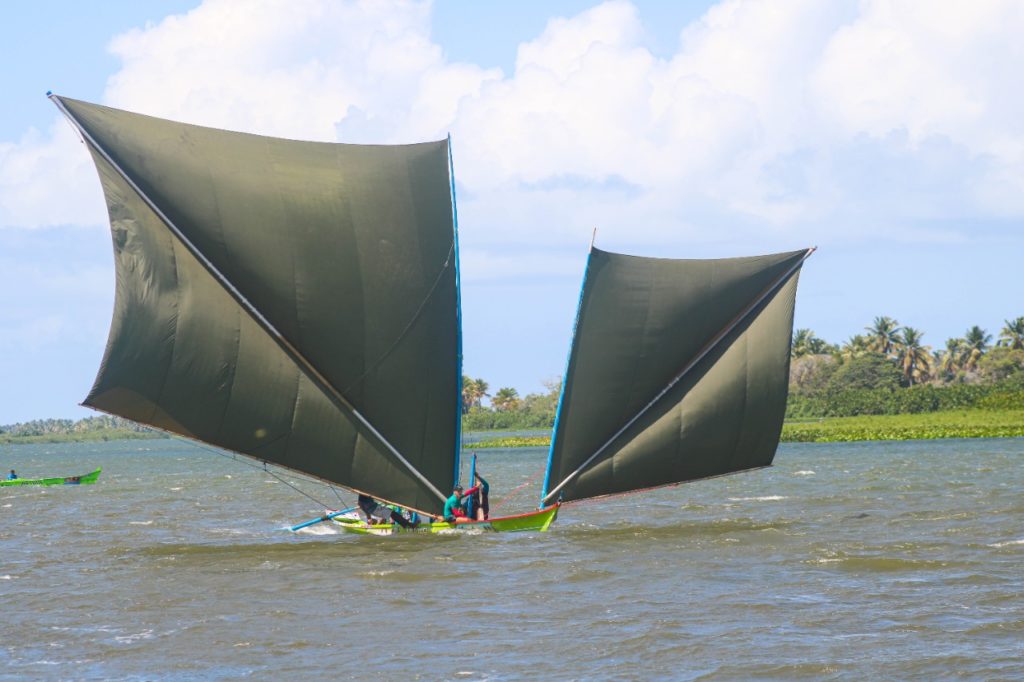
[1008, 543]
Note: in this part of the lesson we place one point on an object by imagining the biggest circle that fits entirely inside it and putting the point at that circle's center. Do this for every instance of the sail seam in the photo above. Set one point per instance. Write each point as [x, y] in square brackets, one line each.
[419, 311]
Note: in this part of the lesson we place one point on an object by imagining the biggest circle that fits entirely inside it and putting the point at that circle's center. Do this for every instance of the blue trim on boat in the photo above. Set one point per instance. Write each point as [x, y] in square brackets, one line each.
[458, 317]
[565, 380]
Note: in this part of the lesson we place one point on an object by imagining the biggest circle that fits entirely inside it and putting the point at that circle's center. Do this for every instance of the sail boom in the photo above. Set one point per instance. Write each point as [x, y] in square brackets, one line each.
[307, 367]
[708, 347]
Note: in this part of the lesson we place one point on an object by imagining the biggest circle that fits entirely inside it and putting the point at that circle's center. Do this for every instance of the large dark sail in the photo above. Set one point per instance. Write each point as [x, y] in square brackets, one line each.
[678, 371]
[296, 302]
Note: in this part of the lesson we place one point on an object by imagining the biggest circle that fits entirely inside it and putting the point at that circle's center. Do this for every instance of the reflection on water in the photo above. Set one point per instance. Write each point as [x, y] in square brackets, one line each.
[868, 560]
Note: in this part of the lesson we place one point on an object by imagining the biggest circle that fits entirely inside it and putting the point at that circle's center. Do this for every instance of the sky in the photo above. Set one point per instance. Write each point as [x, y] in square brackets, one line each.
[888, 134]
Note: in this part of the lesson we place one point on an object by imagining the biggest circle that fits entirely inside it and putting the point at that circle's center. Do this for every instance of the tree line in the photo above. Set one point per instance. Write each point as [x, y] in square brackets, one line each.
[886, 370]
[507, 410]
[102, 427]
[889, 370]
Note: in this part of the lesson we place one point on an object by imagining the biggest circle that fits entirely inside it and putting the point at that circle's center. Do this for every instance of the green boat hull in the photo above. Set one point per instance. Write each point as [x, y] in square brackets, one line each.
[538, 521]
[66, 480]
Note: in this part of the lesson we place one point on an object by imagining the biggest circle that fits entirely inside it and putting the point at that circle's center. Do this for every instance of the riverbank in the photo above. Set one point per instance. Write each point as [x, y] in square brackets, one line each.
[99, 435]
[926, 426]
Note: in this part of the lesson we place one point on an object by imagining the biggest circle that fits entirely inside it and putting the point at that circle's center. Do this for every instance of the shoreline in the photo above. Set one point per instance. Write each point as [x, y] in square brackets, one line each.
[894, 427]
[920, 426]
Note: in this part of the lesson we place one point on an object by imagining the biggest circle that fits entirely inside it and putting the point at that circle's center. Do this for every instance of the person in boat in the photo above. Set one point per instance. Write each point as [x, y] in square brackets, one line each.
[379, 513]
[481, 503]
[12, 476]
[453, 510]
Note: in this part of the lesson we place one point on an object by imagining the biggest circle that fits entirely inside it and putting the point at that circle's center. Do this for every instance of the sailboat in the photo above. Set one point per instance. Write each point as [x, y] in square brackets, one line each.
[298, 303]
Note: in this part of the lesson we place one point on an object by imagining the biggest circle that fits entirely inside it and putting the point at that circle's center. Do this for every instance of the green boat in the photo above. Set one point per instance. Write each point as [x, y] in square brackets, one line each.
[538, 520]
[299, 303]
[67, 480]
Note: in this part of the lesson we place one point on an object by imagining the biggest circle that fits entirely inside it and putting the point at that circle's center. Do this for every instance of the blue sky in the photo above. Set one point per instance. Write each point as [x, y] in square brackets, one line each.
[890, 134]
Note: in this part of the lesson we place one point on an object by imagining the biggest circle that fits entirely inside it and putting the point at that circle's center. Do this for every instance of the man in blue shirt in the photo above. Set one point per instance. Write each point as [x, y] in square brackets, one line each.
[12, 476]
[453, 506]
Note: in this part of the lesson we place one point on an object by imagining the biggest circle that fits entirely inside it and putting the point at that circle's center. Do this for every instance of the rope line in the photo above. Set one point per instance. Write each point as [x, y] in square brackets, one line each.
[262, 466]
[532, 479]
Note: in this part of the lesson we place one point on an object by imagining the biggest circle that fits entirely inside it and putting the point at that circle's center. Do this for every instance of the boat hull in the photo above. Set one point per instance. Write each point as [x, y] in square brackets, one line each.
[66, 480]
[538, 521]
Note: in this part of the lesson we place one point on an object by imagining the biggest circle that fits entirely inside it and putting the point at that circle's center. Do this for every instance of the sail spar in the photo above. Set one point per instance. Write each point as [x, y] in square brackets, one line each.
[678, 371]
[296, 302]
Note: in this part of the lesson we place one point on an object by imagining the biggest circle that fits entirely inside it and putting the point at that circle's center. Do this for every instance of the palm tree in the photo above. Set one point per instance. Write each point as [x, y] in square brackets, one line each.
[913, 358]
[951, 360]
[505, 399]
[975, 344]
[473, 391]
[856, 346]
[799, 346]
[883, 335]
[1012, 335]
[480, 391]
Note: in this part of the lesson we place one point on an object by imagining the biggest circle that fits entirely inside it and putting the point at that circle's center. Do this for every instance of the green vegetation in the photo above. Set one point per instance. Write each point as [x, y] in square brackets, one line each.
[68, 430]
[514, 442]
[507, 411]
[890, 371]
[863, 389]
[969, 388]
[948, 424]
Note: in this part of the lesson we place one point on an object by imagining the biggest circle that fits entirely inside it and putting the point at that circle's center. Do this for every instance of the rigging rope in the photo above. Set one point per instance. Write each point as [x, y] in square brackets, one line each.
[263, 467]
[532, 479]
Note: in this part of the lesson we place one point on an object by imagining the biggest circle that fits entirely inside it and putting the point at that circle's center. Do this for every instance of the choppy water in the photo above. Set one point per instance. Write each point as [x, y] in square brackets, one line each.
[861, 561]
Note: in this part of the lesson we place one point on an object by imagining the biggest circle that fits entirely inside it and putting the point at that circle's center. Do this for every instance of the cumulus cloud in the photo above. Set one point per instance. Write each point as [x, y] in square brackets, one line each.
[772, 122]
[48, 180]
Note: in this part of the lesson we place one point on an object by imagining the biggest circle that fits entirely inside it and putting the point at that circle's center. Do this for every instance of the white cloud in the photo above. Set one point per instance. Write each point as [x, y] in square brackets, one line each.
[773, 122]
[49, 180]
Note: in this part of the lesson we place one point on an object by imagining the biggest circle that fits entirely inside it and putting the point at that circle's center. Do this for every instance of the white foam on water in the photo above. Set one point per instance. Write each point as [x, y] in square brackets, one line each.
[804, 472]
[174, 490]
[1008, 543]
[318, 529]
[128, 639]
[8, 506]
[766, 498]
[5, 577]
[140, 523]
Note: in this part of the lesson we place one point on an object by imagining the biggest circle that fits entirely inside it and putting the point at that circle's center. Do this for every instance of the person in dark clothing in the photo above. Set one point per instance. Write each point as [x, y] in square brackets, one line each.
[373, 510]
[481, 504]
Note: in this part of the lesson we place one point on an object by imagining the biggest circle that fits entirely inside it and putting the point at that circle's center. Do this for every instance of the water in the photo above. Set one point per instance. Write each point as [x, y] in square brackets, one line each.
[852, 562]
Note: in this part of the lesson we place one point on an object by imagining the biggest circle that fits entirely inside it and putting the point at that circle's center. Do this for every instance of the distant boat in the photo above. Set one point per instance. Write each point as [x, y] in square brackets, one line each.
[299, 303]
[66, 480]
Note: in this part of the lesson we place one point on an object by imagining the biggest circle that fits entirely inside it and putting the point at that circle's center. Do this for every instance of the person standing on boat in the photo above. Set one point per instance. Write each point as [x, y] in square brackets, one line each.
[481, 503]
[12, 476]
[373, 510]
[453, 510]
